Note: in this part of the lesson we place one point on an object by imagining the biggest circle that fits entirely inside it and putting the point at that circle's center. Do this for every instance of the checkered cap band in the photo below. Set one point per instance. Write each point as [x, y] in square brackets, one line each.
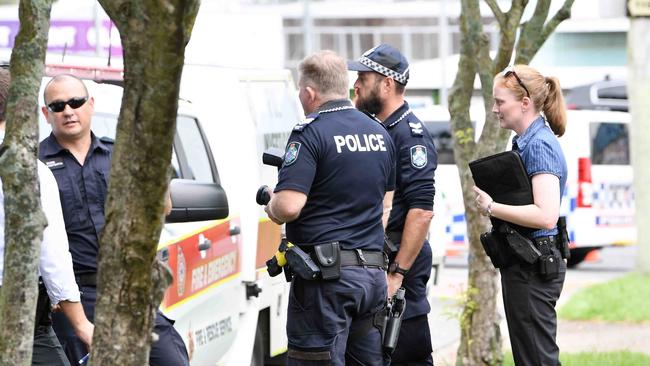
[401, 78]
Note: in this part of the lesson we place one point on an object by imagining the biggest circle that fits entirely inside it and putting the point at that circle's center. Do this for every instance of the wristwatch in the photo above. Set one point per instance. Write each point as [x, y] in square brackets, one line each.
[395, 268]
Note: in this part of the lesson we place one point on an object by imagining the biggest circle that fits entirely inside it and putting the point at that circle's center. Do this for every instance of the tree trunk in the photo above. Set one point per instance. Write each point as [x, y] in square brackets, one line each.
[24, 220]
[639, 95]
[131, 282]
[480, 333]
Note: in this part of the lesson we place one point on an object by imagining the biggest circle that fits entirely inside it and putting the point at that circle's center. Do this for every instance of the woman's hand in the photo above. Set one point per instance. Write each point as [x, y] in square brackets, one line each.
[483, 201]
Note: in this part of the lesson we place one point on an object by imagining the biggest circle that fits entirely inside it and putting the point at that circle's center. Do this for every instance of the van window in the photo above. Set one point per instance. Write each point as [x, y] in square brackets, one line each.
[441, 133]
[610, 143]
[192, 151]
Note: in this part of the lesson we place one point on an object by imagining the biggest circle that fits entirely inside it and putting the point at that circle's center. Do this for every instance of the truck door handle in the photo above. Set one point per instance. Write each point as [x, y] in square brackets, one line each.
[235, 230]
[205, 244]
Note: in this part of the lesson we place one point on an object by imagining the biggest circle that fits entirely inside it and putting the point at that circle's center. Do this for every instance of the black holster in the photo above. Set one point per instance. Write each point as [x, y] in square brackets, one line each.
[42, 307]
[328, 257]
[523, 247]
[563, 238]
[301, 264]
[497, 250]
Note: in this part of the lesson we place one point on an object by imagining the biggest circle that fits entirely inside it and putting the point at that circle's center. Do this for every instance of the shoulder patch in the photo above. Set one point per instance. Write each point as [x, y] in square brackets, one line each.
[416, 128]
[305, 122]
[291, 154]
[418, 156]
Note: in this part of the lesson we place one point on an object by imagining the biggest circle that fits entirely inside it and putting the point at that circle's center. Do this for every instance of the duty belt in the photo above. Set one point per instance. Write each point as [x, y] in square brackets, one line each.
[364, 258]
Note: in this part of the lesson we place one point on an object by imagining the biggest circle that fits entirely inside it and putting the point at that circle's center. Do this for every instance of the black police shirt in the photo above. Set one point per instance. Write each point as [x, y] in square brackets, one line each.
[344, 162]
[82, 190]
[416, 164]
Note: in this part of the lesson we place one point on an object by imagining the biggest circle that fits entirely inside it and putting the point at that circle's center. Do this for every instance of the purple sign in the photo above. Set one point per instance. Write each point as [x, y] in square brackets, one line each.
[73, 36]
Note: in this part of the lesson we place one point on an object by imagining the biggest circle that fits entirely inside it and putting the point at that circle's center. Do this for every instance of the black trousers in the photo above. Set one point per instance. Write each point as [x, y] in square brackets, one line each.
[47, 349]
[530, 311]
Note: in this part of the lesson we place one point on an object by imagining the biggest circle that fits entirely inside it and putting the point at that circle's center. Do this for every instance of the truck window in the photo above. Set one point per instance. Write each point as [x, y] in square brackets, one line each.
[610, 143]
[193, 154]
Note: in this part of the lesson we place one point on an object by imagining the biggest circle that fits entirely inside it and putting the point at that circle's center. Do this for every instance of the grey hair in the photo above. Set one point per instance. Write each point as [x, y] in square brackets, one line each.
[326, 72]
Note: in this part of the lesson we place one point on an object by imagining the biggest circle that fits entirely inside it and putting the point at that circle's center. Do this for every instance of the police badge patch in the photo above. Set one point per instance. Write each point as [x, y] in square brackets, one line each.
[291, 155]
[419, 156]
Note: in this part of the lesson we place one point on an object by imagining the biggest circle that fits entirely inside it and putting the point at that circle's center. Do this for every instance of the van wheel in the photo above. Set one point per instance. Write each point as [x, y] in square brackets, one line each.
[257, 359]
[578, 255]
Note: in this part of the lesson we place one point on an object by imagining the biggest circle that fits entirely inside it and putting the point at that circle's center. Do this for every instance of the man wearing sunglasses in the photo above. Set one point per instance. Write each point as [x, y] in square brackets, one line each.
[57, 284]
[81, 162]
[382, 74]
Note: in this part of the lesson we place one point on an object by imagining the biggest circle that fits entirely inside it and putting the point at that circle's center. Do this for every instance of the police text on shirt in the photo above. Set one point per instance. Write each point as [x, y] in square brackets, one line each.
[372, 142]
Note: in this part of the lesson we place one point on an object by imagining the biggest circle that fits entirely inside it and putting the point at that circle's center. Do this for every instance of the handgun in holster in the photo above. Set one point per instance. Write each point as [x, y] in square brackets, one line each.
[395, 311]
[292, 260]
[523, 247]
[563, 238]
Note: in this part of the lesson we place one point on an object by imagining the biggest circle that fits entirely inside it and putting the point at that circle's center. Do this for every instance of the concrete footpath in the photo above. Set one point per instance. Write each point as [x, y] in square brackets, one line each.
[573, 336]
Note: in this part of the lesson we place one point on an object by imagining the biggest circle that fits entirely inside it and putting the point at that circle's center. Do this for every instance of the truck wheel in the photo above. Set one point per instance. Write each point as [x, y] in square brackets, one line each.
[257, 359]
[578, 255]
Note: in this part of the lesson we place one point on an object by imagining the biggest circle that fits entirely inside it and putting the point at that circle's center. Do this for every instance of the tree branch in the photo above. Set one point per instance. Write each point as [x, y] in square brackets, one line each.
[498, 14]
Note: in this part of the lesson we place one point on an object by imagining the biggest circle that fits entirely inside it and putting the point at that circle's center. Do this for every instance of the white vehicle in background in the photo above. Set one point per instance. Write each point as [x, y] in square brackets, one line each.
[226, 307]
[598, 200]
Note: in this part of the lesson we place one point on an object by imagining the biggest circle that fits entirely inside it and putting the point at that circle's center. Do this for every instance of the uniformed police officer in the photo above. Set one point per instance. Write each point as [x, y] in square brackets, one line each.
[531, 290]
[381, 79]
[81, 165]
[338, 170]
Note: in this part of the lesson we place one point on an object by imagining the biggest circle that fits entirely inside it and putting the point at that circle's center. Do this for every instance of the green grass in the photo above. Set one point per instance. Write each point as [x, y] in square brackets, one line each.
[623, 299]
[622, 358]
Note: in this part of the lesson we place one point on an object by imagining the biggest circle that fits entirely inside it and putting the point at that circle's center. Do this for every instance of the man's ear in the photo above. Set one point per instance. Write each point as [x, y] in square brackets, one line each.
[311, 92]
[387, 84]
[45, 113]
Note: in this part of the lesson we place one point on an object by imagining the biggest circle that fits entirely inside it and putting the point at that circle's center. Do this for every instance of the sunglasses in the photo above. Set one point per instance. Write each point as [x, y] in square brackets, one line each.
[74, 103]
[510, 70]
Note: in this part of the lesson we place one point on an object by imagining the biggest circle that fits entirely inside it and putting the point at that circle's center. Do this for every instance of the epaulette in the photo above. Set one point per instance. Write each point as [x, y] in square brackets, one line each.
[106, 139]
[304, 123]
[416, 129]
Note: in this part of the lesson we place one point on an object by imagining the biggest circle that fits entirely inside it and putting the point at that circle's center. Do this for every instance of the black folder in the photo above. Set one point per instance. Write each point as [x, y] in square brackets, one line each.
[503, 176]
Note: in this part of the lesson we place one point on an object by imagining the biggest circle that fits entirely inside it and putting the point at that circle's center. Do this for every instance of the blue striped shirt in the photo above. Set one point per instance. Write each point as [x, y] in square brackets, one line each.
[541, 152]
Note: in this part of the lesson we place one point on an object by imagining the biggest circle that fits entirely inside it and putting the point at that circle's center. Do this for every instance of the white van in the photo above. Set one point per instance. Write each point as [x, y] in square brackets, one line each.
[598, 200]
[227, 309]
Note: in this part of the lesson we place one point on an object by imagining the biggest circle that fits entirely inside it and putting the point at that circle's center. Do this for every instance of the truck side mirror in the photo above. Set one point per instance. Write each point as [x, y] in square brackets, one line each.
[273, 156]
[197, 201]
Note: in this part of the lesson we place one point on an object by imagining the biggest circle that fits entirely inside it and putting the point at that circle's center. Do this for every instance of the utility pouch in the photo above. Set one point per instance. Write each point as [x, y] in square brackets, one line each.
[495, 247]
[301, 264]
[390, 248]
[523, 247]
[549, 266]
[329, 260]
[563, 238]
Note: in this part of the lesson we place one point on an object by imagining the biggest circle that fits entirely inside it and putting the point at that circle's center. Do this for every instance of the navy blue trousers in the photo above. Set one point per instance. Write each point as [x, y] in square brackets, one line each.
[322, 315]
[414, 342]
[169, 350]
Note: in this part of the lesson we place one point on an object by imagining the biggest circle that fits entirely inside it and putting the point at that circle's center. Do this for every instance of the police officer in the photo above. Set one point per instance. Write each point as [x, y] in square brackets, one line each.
[382, 74]
[58, 287]
[338, 170]
[530, 291]
[81, 165]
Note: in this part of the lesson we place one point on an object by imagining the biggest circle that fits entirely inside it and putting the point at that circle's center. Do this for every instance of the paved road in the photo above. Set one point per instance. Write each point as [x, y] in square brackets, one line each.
[613, 262]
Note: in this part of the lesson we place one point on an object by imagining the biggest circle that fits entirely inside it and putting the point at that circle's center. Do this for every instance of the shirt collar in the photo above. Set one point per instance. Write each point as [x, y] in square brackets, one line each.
[335, 103]
[525, 137]
[397, 114]
[51, 147]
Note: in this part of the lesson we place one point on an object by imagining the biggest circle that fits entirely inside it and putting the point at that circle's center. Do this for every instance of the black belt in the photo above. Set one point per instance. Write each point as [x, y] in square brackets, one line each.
[364, 258]
[87, 279]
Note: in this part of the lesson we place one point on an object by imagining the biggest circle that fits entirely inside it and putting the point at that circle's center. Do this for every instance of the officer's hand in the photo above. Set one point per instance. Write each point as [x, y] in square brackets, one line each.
[273, 218]
[483, 200]
[56, 308]
[85, 333]
[394, 282]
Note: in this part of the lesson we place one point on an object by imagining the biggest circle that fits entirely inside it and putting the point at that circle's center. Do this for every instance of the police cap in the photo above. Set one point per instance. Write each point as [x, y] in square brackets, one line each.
[384, 59]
